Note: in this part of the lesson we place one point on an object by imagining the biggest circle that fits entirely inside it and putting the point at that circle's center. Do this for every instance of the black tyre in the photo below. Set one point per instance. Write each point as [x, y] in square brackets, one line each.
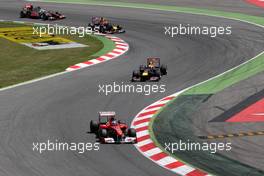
[158, 75]
[44, 17]
[22, 14]
[131, 132]
[28, 14]
[91, 27]
[102, 29]
[94, 126]
[135, 74]
[103, 133]
[163, 70]
[141, 68]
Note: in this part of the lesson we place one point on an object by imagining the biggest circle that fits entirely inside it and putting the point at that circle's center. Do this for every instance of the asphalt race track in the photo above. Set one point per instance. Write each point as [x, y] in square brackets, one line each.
[61, 107]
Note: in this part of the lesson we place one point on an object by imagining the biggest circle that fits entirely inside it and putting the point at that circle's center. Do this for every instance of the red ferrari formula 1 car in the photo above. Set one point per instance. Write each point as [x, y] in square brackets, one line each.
[109, 130]
[28, 11]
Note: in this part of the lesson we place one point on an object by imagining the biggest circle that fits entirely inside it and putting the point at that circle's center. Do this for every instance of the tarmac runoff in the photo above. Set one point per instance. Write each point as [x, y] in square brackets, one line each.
[183, 114]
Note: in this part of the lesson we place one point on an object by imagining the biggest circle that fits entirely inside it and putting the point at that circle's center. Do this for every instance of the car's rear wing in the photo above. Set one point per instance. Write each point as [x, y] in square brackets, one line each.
[154, 60]
[107, 113]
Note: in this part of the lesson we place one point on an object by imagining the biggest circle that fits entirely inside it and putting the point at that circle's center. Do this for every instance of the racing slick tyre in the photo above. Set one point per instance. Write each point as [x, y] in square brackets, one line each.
[141, 68]
[163, 70]
[102, 29]
[157, 73]
[131, 132]
[94, 126]
[44, 17]
[22, 14]
[135, 74]
[103, 133]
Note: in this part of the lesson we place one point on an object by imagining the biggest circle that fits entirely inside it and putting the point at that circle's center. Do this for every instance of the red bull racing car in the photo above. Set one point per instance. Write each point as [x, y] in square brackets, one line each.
[102, 25]
[28, 11]
[150, 72]
[109, 130]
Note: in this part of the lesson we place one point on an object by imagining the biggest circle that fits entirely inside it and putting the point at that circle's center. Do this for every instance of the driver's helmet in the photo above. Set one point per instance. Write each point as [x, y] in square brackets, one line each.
[114, 122]
[101, 20]
[112, 118]
[151, 65]
[41, 10]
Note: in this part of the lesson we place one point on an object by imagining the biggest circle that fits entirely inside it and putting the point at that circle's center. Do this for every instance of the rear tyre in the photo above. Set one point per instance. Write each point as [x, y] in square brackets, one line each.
[163, 70]
[22, 14]
[94, 126]
[157, 72]
[131, 132]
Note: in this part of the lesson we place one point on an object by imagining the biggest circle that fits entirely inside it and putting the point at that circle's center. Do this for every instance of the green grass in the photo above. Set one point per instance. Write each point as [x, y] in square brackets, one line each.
[225, 80]
[10, 24]
[19, 63]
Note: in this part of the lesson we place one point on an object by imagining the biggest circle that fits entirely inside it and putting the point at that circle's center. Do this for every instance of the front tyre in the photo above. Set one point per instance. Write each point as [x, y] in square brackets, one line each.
[131, 132]
[163, 70]
[103, 133]
[44, 17]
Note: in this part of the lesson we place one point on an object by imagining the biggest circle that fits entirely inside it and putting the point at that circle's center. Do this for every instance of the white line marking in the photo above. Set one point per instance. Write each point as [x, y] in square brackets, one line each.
[113, 54]
[105, 57]
[183, 170]
[166, 160]
[142, 143]
[141, 125]
[258, 114]
[120, 46]
[160, 102]
[143, 117]
[82, 65]
[142, 133]
[118, 50]
[152, 152]
[151, 109]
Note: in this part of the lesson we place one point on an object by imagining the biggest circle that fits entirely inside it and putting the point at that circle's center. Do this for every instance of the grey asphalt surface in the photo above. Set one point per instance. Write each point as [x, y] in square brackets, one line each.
[61, 107]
